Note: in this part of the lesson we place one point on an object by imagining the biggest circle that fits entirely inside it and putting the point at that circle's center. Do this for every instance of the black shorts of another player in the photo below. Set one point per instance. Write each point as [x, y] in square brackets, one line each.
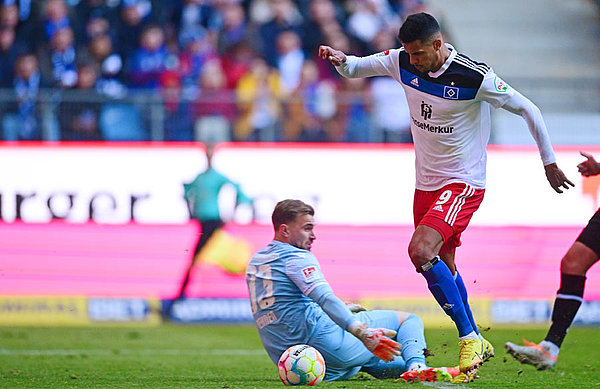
[590, 236]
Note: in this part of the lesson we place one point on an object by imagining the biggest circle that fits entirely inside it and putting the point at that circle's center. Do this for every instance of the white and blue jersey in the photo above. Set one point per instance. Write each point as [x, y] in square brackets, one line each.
[450, 113]
[280, 279]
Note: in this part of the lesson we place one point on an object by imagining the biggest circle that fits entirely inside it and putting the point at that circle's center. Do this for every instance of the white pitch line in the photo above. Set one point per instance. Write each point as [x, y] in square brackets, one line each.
[4, 351]
[439, 385]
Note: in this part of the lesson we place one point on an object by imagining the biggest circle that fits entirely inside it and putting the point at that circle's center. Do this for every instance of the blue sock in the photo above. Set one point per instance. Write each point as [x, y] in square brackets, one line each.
[412, 338]
[441, 284]
[463, 294]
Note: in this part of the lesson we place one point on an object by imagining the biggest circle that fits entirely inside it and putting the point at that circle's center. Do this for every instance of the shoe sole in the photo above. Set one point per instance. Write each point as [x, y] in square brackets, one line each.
[469, 376]
[525, 359]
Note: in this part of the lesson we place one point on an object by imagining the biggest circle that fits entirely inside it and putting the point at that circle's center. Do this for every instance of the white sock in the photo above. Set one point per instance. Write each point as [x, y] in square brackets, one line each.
[550, 347]
[417, 366]
[470, 335]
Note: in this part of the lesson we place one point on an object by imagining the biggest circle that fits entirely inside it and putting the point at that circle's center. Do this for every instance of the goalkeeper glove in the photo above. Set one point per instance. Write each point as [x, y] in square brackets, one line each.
[376, 340]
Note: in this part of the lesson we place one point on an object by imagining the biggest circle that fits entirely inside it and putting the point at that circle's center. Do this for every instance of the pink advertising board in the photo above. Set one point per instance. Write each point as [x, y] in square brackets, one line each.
[135, 260]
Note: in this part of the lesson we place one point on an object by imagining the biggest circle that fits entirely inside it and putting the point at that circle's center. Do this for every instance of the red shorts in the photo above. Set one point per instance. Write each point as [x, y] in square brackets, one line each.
[447, 210]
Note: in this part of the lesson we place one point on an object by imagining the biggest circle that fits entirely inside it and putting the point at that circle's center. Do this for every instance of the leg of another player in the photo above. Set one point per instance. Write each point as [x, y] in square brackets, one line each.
[569, 297]
[411, 335]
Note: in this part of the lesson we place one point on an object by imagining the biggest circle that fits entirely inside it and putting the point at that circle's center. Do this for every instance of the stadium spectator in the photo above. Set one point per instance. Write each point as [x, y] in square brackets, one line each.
[58, 59]
[100, 48]
[368, 17]
[79, 112]
[145, 64]
[9, 15]
[310, 107]
[135, 15]
[450, 164]
[198, 13]
[259, 95]
[323, 15]
[17, 14]
[354, 111]
[580, 257]
[290, 58]
[390, 118]
[292, 303]
[56, 18]
[178, 123]
[284, 17]
[21, 118]
[86, 11]
[236, 29]
[8, 54]
[197, 49]
[95, 27]
[109, 83]
[214, 108]
[236, 62]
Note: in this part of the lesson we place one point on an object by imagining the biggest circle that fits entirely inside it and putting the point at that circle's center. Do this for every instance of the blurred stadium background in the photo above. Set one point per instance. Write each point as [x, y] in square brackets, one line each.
[106, 105]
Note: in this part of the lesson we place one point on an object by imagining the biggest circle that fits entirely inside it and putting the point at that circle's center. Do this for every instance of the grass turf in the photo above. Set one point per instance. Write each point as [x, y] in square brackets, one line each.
[228, 357]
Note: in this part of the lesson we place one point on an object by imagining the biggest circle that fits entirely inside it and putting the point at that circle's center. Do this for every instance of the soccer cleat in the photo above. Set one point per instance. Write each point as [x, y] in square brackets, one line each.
[470, 358]
[433, 374]
[463, 378]
[488, 350]
[531, 354]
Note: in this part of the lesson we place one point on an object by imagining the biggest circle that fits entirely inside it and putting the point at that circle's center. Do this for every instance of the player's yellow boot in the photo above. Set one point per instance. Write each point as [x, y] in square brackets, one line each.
[470, 358]
[488, 350]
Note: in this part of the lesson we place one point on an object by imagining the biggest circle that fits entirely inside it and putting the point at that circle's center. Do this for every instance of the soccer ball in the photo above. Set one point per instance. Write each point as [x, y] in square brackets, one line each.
[301, 365]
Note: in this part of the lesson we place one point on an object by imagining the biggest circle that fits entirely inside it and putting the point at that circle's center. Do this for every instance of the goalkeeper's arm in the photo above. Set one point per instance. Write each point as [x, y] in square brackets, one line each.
[377, 340]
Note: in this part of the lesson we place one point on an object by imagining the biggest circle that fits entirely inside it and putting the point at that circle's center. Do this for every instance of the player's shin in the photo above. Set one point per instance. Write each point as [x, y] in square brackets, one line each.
[411, 336]
[441, 284]
[568, 300]
[465, 299]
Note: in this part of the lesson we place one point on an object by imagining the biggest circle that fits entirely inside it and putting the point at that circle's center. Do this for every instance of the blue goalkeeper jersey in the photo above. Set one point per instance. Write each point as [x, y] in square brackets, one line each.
[279, 277]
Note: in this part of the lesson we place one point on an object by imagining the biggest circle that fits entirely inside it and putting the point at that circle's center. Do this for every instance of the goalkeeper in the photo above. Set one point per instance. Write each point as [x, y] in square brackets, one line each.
[292, 303]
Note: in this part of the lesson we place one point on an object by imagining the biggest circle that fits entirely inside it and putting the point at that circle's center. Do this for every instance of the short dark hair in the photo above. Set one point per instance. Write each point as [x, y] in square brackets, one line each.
[418, 27]
[288, 210]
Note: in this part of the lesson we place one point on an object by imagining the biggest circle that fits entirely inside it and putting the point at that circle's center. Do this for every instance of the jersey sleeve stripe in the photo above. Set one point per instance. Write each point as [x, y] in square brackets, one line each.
[478, 68]
[474, 63]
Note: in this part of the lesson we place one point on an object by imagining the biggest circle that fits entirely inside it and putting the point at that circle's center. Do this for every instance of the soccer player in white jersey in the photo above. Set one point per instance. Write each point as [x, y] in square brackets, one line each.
[449, 97]
[292, 303]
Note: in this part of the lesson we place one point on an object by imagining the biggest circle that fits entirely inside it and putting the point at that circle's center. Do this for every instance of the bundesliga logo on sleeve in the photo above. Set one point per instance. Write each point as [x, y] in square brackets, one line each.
[308, 272]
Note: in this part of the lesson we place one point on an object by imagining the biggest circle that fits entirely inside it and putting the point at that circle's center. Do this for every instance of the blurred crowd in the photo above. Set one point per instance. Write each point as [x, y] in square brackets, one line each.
[243, 70]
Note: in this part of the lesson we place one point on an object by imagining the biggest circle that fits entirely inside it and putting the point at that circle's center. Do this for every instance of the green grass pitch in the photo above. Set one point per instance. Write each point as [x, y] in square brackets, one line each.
[227, 357]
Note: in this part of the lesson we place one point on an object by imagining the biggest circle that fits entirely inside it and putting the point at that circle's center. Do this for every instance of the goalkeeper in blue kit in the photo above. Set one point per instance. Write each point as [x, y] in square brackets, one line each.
[292, 303]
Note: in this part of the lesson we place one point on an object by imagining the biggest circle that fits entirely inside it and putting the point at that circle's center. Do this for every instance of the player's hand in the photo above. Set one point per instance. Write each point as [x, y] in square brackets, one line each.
[336, 57]
[354, 307]
[377, 340]
[589, 167]
[557, 178]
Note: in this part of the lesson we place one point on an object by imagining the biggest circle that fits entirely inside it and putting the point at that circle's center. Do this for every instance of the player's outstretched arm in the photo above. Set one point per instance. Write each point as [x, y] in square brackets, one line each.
[557, 178]
[376, 340]
[589, 167]
[336, 57]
